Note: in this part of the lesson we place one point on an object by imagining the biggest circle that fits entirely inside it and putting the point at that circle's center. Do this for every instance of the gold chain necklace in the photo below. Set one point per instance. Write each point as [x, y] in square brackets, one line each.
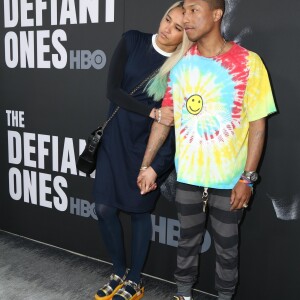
[222, 47]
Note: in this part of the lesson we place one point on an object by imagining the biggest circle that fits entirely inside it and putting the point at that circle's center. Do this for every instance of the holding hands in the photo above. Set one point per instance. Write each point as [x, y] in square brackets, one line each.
[146, 180]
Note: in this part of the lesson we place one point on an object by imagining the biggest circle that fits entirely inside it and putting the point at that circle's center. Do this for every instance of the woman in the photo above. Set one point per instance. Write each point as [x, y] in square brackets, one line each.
[137, 56]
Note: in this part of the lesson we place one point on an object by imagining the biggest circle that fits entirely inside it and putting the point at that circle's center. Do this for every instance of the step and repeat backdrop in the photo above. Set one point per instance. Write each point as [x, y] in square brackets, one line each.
[54, 59]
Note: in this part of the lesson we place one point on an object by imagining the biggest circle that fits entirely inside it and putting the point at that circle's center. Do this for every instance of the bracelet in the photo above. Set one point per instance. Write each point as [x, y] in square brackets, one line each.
[246, 179]
[154, 109]
[143, 168]
[159, 116]
[246, 182]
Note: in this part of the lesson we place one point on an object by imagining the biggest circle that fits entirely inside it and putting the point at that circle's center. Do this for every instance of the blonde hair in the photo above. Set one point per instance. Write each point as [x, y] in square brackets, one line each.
[158, 85]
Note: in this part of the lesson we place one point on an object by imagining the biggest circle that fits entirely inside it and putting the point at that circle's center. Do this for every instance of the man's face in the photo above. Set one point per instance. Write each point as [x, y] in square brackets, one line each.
[198, 19]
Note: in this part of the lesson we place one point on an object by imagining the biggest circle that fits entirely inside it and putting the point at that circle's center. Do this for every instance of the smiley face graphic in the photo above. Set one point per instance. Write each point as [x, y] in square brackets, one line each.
[194, 104]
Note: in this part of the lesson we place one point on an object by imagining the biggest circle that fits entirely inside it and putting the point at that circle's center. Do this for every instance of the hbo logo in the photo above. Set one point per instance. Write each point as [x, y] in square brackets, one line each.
[82, 208]
[85, 59]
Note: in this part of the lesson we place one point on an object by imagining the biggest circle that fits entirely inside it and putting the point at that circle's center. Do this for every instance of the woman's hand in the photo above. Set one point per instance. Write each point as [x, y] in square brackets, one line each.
[146, 180]
[163, 115]
[167, 116]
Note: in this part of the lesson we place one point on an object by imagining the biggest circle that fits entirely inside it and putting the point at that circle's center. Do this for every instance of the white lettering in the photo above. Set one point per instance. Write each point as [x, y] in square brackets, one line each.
[55, 156]
[68, 11]
[110, 11]
[59, 60]
[11, 49]
[14, 147]
[68, 157]
[42, 49]
[91, 7]
[11, 17]
[53, 12]
[27, 49]
[40, 5]
[82, 144]
[30, 187]
[42, 151]
[61, 202]
[44, 190]
[15, 183]
[25, 7]
[28, 150]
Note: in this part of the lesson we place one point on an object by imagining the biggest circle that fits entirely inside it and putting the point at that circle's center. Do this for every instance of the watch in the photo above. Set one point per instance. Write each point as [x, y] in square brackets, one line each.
[252, 176]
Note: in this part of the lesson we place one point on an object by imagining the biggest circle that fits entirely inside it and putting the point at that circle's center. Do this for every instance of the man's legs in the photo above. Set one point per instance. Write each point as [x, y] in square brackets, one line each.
[192, 223]
[225, 231]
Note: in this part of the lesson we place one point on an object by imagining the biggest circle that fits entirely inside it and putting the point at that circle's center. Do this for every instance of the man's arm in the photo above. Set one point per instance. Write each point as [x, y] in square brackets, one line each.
[147, 175]
[241, 193]
[158, 135]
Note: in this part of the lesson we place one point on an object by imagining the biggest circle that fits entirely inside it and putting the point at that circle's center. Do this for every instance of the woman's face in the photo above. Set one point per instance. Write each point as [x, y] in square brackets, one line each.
[171, 30]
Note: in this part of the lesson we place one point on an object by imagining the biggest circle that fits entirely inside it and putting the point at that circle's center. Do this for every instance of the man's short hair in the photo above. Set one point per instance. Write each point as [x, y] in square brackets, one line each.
[216, 4]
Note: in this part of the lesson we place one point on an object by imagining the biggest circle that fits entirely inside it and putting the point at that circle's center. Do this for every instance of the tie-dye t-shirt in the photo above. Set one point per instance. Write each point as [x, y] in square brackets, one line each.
[214, 100]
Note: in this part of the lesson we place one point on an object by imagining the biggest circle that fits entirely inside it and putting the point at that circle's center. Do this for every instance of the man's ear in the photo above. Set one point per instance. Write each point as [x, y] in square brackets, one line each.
[218, 14]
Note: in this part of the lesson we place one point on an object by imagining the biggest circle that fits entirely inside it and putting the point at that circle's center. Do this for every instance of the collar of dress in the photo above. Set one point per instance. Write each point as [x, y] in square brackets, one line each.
[167, 54]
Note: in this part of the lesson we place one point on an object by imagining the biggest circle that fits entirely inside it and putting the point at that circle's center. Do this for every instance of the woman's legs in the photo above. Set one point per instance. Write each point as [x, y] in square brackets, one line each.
[141, 228]
[141, 234]
[112, 234]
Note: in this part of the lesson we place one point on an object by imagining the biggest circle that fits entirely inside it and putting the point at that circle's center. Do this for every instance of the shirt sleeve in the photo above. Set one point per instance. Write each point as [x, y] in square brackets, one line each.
[115, 93]
[259, 98]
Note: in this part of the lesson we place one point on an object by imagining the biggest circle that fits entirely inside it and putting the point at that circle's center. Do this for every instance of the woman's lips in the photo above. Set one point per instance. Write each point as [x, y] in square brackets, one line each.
[164, 36]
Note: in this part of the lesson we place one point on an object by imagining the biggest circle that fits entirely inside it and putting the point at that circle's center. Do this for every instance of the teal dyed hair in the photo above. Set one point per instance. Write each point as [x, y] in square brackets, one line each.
[157, 86]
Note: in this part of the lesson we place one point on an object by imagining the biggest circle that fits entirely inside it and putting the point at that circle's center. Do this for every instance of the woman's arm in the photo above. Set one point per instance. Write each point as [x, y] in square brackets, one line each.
[116, 94]
[115, 77]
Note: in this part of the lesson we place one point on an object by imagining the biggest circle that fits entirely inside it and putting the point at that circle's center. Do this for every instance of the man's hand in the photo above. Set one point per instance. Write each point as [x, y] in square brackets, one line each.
[146, 180]
[240, 196]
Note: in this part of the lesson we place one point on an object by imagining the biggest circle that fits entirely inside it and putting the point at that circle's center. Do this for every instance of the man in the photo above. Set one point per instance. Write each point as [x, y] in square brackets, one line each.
[221, 96]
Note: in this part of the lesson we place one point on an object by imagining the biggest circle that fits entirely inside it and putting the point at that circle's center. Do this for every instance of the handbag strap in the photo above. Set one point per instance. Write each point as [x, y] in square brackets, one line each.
[131, 93]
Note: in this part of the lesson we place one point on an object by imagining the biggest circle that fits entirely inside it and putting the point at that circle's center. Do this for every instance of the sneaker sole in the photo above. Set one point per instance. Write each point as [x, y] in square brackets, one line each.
[140, 295]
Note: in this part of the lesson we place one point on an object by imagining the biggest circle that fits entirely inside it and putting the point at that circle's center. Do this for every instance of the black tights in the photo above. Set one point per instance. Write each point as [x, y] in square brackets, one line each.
[112, 234]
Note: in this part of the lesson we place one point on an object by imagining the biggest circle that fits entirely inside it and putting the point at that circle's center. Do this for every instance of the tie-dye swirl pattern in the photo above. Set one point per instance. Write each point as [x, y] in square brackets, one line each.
[212, 113]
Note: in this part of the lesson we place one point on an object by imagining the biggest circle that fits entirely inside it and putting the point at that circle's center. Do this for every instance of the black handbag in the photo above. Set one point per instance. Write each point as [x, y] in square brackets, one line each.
[88, 158]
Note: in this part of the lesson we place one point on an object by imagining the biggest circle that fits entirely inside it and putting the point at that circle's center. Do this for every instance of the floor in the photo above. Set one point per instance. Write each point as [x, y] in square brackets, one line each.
[34, 271]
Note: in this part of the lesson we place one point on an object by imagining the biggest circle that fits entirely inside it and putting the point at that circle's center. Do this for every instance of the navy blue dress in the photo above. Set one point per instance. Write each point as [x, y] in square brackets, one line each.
[125, 138]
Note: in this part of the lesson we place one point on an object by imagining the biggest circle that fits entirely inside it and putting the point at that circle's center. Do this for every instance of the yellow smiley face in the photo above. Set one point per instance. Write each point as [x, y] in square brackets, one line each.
[194, 104]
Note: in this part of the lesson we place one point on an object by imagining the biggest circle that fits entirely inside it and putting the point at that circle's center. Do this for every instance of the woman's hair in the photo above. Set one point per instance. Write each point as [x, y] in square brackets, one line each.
[158, 85]
[175, 5]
